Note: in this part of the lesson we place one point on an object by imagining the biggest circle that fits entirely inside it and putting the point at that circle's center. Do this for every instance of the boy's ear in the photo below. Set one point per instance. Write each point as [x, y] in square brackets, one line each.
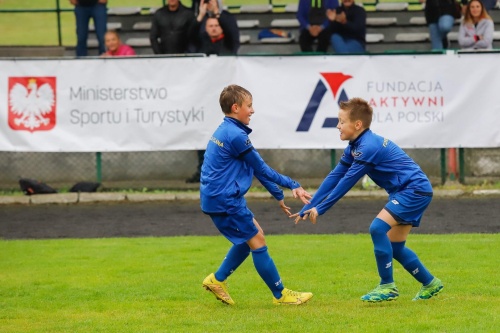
[358, 125]
[234, 108]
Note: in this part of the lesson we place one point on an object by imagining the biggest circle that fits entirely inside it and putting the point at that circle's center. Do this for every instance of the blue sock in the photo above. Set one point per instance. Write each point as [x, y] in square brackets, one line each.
[409, 260]
[267, 270]
[236, 255]
[383, 250]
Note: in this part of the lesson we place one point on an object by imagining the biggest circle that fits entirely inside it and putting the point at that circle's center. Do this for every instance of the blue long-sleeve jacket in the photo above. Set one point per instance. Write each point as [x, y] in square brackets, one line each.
[228, 168]
[384, 162]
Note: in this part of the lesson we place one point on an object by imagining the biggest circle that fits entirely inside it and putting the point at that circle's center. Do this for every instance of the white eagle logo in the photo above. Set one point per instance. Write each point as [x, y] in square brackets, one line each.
[31, 103]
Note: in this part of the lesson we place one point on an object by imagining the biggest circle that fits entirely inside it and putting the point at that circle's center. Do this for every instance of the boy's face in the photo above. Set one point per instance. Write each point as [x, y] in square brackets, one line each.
[244, 111]
[349, 130]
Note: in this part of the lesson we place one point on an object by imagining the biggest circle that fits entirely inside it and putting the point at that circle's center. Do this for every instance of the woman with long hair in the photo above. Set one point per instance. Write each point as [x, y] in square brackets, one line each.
[476, 28]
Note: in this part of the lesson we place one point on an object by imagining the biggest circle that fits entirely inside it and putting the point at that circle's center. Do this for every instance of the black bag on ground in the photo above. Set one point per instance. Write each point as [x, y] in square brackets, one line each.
[85, 187]
[32, 186]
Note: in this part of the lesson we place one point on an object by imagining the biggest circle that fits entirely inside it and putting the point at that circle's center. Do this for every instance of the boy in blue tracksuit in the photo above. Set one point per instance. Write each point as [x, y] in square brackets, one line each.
[229, 165]
[409, 189]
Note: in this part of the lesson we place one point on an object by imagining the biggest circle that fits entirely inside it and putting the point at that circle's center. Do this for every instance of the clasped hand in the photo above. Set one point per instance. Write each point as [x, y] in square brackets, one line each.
[312, 214]
[300, 193]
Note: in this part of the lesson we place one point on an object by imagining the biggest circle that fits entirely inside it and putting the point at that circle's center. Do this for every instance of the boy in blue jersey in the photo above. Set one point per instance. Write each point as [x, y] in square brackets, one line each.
[227, 172]
[409, 189]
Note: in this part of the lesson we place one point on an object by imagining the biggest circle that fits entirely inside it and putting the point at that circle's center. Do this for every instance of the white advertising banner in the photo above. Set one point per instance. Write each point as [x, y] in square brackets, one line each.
[145, 104]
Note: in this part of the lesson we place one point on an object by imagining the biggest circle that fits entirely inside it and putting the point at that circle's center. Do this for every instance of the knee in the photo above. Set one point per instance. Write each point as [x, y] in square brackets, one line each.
[379, 227]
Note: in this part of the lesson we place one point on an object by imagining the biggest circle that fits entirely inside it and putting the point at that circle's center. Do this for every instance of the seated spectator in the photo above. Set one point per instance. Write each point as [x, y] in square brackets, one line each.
[439, 15]
[348, 28]
[476, 28]
[114, 46]
[312, 16]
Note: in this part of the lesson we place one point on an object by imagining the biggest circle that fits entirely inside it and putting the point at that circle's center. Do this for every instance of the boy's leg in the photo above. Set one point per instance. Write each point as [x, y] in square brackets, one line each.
[431, 286]
[216, 283]
[382, 249]
[234, 258]
[387, 289]
[237, 228]
[410, 261]
[267, 270]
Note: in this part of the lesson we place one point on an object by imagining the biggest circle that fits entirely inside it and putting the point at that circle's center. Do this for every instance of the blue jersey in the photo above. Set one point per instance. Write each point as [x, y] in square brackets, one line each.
[384, 162]
[229, 166]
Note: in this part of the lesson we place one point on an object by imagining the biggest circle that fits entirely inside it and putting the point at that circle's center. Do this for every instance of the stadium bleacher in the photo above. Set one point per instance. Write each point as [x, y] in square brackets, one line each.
[390, 27]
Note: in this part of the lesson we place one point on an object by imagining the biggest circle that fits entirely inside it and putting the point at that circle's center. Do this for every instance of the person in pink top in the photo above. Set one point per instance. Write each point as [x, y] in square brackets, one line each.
[114, 46]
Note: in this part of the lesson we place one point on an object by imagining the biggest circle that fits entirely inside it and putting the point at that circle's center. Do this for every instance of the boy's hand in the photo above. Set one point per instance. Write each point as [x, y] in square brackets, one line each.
[311, 213]
[285, 208]
[302, 194]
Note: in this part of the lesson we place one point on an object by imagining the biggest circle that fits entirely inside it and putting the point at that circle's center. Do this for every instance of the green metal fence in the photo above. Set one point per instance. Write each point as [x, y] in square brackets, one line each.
[159, 170]
[169, 169]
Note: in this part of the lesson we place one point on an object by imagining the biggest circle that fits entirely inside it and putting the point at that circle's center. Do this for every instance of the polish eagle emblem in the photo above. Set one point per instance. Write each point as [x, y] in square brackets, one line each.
[30, 106]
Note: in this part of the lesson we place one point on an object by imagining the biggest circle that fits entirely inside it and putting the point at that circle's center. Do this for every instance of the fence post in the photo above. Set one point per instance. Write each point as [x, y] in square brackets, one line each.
[452, 164]
[98, 166]
[461, 165]
[58, 12]
[443, 166]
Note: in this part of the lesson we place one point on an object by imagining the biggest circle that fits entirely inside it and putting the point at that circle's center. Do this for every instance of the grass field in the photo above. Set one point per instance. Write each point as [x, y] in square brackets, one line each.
[154, 285]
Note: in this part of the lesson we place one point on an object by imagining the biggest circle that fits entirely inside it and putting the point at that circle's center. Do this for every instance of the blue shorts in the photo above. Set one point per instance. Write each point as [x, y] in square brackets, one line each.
[238, 228]
[408, 206]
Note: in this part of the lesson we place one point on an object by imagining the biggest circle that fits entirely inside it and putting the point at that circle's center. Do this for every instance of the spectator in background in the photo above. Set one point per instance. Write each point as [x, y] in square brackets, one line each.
[439, 18]
[216, 33]
[476, 28]
[348, 28]
[114, 46]
[312, 16]
[170, 28]
[84, 10]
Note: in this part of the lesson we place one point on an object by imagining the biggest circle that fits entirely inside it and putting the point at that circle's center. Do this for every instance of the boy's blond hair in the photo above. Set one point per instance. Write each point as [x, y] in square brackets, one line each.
[358, 109]
[232, 94]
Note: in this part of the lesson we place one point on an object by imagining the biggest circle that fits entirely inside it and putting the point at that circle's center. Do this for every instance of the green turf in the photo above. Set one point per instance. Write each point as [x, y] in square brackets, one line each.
[154, 285]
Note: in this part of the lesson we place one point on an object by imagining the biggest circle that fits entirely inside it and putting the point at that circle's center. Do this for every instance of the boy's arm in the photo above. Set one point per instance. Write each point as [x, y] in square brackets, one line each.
[352, 176]
[272, 188]
[327, 186]
[263, 171]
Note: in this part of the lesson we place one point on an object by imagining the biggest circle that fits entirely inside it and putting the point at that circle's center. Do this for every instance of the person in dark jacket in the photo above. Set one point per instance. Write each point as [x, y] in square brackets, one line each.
[221, 36]
[440, 20]
[170, 28]
[348, 28]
